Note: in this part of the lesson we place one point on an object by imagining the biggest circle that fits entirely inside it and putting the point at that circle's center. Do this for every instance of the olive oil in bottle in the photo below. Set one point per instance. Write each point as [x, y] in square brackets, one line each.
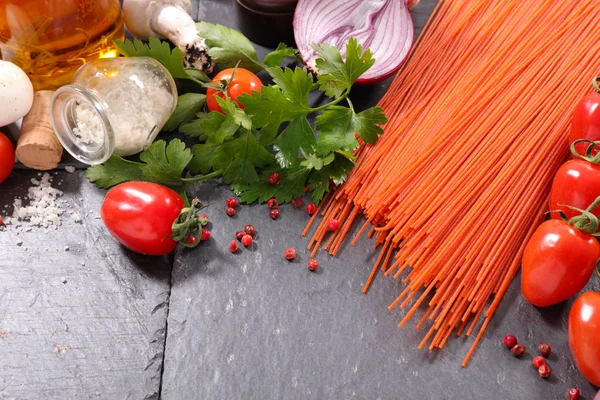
[51, 39]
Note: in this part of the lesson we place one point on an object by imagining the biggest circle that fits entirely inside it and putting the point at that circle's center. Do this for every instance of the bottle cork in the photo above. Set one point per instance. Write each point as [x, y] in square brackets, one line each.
[38, 147]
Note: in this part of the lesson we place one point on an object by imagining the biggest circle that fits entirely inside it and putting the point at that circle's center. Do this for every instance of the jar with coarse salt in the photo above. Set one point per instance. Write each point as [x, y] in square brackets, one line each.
[115, 105]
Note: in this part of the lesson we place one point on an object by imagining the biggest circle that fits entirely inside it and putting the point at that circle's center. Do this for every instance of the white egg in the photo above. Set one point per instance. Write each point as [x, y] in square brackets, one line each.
[16, 93]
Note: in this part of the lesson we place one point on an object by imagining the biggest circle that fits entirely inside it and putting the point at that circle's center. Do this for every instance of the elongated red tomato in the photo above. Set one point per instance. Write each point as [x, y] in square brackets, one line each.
[577, 184]
[558, 262]
[584, 335]
[140, 215]
[7, 157]
[243, 81]
[585, 123]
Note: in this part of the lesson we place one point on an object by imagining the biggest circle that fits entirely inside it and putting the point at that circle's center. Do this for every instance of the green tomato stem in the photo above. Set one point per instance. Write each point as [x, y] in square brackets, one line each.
[198, 81]
[588, 156]
[595, 82]
[586, 222]
[182, 190]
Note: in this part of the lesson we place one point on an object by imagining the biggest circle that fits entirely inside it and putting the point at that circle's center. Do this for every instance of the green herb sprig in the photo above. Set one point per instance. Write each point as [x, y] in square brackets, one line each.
[270, 134]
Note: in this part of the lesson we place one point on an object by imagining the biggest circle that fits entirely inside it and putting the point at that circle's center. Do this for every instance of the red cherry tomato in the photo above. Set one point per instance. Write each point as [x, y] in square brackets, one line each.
[584, 335]
[558, 262]
[585, 123]
[243, 81]
[577, 184]
[140, 214]
[7, 157]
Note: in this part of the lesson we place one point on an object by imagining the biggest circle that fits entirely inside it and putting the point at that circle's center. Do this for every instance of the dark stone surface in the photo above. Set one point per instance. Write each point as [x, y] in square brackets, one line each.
[252, 325]
[87, 322]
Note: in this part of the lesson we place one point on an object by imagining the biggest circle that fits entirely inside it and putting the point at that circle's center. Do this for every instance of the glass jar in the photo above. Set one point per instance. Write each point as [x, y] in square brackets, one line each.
[51, 39]
[115, 105]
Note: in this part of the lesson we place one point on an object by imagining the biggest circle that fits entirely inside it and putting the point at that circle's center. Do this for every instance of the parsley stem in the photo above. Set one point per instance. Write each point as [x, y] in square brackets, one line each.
[202, 177]
[350, 104]
[262, 66]
[324, 106]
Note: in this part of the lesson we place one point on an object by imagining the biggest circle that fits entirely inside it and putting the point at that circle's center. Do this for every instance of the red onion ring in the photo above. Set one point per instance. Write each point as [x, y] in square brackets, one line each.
[384, 26]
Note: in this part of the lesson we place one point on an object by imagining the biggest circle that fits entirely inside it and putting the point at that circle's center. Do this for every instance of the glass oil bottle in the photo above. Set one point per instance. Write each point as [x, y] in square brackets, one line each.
[51, 39]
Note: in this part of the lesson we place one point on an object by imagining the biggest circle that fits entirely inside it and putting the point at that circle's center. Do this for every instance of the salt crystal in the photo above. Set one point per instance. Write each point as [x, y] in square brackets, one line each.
[70, 169]
[43, 209]
[76, 218]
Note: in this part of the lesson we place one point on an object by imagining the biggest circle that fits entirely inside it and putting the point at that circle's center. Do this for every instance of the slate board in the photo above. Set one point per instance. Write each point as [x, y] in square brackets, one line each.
[87, 322]
[253, 326]
[240, 326]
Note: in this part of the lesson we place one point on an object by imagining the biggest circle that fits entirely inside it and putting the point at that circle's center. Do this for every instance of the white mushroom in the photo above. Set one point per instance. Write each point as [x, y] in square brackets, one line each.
[168, 19]
[16, 93]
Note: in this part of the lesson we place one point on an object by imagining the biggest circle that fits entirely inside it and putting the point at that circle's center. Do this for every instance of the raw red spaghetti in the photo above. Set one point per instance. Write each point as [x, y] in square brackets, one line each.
[478, 125]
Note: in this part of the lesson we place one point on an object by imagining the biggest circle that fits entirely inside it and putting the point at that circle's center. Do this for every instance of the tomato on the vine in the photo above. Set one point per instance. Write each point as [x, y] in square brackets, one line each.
[243, 81]
[577, 184]
[140, 216]
[584, 335]
[7, 157]
[559, 260]
[585, 123]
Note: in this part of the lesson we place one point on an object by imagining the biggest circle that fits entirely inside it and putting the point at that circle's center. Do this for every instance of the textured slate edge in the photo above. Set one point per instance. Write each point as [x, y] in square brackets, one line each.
[102, 307]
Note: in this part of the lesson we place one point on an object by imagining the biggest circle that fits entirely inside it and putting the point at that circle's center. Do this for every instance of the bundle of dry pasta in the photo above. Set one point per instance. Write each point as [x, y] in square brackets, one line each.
[478, 125]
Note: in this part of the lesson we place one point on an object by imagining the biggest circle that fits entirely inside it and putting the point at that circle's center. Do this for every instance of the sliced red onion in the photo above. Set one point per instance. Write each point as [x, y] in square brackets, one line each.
[384, 26]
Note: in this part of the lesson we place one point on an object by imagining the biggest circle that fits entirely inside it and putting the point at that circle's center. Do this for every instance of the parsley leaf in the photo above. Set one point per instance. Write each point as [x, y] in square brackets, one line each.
[160, 51]
[367, 123]
[234, 112]
[238, 159]
[337, 126]
[194, 128]
[197, 74]
[297, 135]
[295, 84]
[270, 107]
[115, 170]
[337, 75]
[187, 106]
[291, 184]
[227, 47]
[274, 58]
[337, 171]
[218, 127]
[202, 158]
[317, 163]
[336, 130]
[165, 163]
[266, 136]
